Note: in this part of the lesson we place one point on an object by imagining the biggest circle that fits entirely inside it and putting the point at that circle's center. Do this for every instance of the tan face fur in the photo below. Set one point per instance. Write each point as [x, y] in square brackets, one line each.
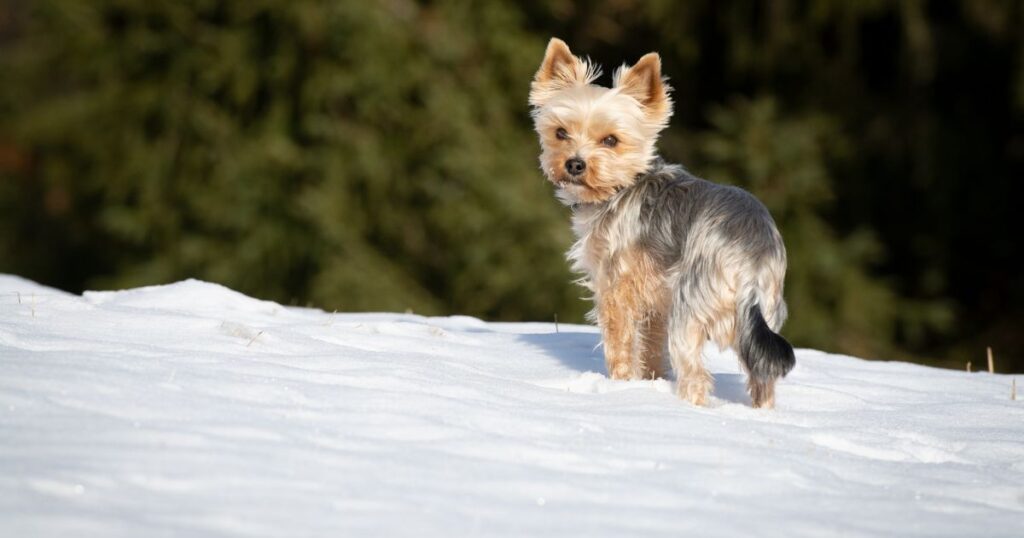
[612, 130]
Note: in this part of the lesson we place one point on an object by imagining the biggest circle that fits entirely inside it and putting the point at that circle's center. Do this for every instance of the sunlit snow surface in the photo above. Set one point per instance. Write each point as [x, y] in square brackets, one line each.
[193, 410]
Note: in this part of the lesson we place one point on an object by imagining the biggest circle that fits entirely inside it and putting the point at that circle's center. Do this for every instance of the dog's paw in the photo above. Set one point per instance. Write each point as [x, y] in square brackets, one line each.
[621, 372]
[695, 392]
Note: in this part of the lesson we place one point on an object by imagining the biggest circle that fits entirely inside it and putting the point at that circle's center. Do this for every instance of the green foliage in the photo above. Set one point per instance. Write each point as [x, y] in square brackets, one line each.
[379, 155]
[833, 299]
[336, 152]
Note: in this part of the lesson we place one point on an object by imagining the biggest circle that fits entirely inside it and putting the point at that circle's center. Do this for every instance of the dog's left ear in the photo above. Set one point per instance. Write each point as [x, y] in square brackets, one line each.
[644, 83]
[559, 70]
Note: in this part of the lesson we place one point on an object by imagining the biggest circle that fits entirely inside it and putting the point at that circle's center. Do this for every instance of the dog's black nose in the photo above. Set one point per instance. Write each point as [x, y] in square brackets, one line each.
[575, 166]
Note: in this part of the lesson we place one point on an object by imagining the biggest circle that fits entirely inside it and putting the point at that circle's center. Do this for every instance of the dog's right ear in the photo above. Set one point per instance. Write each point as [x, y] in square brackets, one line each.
[559, 70]
[644, 83]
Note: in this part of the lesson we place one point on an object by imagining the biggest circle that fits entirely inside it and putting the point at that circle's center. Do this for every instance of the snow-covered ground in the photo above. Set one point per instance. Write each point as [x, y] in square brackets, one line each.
[192, 410]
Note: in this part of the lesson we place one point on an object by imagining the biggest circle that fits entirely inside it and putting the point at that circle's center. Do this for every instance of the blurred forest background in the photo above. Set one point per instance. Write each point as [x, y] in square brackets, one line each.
[379, 155]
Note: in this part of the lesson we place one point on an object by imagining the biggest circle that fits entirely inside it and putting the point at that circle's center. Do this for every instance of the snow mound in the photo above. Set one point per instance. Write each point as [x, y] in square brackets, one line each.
[190, 295]
[16, 285]
[190, 409]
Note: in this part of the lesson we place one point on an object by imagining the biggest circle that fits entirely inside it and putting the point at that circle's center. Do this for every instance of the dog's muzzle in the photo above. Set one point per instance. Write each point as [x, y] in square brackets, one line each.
[575, 166]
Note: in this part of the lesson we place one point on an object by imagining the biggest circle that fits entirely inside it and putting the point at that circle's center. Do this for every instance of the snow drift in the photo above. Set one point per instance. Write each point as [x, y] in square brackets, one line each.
[191, 409]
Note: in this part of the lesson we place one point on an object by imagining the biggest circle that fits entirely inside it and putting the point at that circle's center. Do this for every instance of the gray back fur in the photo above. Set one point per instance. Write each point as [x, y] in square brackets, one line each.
[717, 245]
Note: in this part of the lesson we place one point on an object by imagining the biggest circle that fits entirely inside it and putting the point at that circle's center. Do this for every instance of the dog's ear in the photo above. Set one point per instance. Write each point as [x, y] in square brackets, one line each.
[559, 70]
[644, 83]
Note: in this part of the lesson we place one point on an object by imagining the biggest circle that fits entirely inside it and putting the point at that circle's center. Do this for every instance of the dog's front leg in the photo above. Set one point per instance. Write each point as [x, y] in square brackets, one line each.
[619, 315]
[652, 333]
[632, 311]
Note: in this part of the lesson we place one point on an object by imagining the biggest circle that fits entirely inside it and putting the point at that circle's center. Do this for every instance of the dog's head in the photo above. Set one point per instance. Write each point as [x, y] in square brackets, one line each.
[596, 140]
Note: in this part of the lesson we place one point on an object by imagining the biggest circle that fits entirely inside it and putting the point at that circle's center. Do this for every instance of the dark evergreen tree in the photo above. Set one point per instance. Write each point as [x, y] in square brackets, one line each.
[379, 155]
[355, 155]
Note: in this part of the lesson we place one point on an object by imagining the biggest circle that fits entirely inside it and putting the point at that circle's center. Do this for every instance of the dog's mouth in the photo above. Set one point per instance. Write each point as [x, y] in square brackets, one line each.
[567, 181]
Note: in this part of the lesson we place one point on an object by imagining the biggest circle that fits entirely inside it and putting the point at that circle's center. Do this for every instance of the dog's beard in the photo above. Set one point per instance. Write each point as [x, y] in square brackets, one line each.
[569, 193]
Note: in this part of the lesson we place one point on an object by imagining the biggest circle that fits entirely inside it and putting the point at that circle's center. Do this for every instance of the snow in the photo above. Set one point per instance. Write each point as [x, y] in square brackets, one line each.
[192, 410]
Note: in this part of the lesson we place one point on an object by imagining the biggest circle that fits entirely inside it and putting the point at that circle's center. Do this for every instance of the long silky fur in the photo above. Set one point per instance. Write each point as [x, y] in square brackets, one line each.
[670, 258]
[722, 257]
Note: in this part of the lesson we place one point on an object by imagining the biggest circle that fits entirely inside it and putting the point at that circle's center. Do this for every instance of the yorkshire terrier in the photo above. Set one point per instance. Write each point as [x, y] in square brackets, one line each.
[668, 256]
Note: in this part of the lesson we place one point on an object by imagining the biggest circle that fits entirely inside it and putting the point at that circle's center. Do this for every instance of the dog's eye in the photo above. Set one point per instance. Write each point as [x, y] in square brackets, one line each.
[610, 141]
[562, 134]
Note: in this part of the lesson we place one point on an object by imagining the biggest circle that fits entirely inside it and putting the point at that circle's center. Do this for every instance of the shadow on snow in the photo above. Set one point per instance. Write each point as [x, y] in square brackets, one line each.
[581, 351]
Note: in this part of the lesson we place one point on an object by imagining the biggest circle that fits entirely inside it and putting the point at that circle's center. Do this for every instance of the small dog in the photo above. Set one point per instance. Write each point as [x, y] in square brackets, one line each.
[667, 255]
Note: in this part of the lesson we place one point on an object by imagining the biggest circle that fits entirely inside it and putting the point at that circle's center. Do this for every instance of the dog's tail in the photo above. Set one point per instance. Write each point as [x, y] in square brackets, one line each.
[766, 355]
